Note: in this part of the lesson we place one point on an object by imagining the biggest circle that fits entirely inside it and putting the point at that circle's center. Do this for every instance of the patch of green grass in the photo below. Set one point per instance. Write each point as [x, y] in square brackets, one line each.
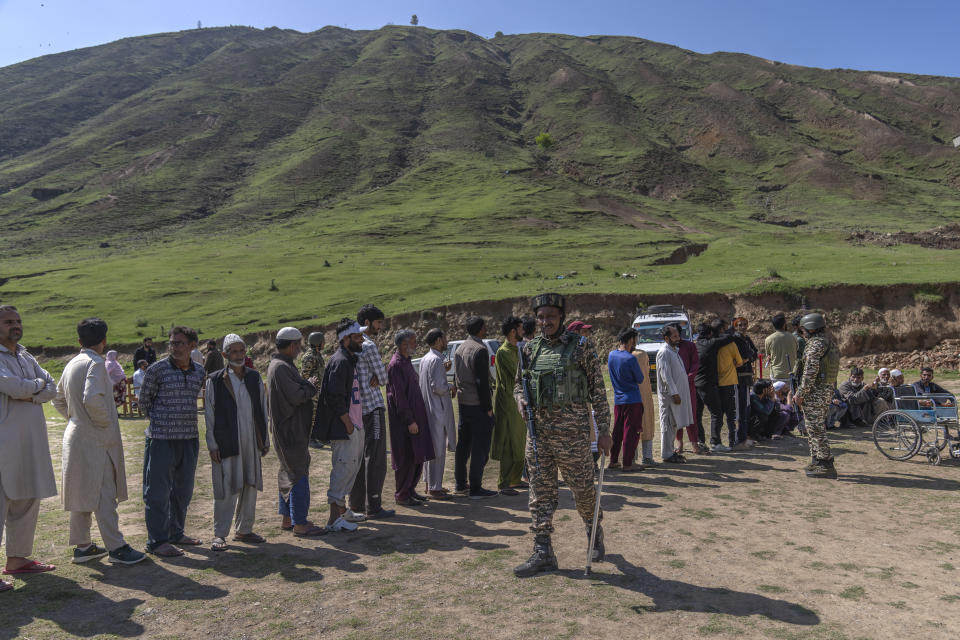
[718, 624]
[946, 566]
[706, 513]
[909, 585]
[764, 555]
[771, 588]
[806, 549]
[854, 592]
[676, 563]
[950, 598]
[899, 604]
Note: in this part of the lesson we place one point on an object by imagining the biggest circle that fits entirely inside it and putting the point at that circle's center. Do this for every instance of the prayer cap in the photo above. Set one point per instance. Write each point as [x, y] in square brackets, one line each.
[289, 333]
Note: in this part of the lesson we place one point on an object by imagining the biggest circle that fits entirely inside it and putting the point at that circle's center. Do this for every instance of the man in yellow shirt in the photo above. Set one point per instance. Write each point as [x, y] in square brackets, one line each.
[728, 359]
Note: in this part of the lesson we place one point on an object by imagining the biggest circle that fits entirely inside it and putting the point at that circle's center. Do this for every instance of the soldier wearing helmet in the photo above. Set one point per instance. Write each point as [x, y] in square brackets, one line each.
[312, 366]
[563, 376]
[818, 379]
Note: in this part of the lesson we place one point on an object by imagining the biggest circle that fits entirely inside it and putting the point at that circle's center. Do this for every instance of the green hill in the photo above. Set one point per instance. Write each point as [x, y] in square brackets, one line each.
[174, 177]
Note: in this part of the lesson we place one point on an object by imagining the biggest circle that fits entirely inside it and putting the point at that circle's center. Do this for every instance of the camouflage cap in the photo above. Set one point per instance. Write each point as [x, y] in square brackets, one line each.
[549, 300]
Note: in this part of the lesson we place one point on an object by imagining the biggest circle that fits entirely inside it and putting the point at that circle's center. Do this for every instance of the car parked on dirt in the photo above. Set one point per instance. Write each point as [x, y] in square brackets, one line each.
[648, 324]
[492, 346]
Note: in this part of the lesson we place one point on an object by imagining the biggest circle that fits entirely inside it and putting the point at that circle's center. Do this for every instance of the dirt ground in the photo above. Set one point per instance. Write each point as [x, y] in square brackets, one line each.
[733, 545]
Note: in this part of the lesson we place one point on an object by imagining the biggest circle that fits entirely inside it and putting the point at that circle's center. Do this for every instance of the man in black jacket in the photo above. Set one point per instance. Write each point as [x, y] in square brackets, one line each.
[707, 383]
[339, 421]
[471, 365]
[748, 352]
[145, 352]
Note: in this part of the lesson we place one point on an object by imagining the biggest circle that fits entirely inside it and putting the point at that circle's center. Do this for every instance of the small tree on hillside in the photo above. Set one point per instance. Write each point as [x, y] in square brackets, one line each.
[544, 141]
[414, 20]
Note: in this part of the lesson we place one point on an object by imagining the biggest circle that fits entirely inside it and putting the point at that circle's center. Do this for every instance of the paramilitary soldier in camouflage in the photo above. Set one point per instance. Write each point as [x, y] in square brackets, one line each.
[563, 375]
[818, 379]
[311, 365]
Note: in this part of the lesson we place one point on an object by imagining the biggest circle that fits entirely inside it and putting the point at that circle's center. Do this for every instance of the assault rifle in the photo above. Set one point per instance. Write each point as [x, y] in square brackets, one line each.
[528, 409]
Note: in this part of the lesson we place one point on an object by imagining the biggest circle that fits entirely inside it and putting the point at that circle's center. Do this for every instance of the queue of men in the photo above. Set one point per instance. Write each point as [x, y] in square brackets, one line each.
[539, 416]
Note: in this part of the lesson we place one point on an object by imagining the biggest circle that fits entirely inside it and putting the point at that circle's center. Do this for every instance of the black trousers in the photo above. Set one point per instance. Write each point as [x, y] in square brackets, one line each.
[473, 443]
[743, 408]
[707, 396]
[366, 494]
[701, 436]
[726, 406]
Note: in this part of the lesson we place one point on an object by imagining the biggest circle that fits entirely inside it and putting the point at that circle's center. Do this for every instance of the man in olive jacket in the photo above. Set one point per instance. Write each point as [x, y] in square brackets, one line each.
[290, 401]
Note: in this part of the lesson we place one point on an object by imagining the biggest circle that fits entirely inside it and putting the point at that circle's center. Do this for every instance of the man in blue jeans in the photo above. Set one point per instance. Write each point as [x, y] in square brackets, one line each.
[168, 397]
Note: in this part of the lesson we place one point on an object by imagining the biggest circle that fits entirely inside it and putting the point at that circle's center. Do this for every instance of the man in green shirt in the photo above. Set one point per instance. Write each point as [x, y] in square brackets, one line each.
[509, 429]
[780, 351]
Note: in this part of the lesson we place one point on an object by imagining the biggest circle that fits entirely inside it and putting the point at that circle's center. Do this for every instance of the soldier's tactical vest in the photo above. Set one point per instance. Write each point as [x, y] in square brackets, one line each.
[829, 365]
[555, 379]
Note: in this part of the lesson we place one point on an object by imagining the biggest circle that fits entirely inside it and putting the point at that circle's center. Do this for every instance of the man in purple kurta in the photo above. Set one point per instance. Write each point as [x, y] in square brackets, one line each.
[410, 441]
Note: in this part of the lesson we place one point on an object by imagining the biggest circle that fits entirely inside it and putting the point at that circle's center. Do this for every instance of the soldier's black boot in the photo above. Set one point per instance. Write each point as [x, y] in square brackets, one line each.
[812, 466]
[541, 560]
[598, 549]
[823, 469]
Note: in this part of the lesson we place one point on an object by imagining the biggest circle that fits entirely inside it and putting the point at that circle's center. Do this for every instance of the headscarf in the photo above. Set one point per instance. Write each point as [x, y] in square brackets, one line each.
[114, 370]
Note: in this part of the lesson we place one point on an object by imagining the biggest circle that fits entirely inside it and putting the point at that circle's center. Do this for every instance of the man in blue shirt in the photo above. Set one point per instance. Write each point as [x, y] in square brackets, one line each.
[626, 377]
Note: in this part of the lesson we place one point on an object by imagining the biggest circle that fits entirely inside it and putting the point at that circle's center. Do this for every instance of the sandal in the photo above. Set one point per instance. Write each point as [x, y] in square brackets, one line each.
[31, 567]
[188, 541]
[613, 465]
[312, 532]
[219, 544]
[167, 550]
[249, 538]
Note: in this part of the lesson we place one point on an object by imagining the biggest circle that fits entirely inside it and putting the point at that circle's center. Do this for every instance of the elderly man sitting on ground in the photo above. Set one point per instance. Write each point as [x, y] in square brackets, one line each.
[864, 402]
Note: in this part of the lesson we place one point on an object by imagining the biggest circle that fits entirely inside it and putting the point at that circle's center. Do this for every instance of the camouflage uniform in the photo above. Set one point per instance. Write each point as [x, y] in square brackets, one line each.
[312, 365]
[563, 441]
[816, 396]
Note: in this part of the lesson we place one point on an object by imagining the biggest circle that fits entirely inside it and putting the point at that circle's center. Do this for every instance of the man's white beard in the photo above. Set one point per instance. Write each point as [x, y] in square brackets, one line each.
[237, 363]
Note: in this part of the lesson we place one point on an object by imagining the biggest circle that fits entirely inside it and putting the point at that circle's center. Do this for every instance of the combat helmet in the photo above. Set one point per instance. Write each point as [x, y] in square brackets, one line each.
[813, 321]
[549, 300]
[315, 339]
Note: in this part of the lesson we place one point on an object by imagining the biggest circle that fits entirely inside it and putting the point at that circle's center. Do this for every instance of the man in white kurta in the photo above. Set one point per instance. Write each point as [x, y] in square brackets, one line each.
[673, 394]
[94, 478]
[236, 418]
[437, 395]
[26, 470]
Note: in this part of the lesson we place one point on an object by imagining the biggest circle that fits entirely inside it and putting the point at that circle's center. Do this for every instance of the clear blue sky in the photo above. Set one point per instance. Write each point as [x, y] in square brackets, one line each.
[915, 36]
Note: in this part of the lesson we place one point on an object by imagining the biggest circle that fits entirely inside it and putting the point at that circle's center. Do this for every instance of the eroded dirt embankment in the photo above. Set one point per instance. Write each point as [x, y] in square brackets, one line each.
[865, 319]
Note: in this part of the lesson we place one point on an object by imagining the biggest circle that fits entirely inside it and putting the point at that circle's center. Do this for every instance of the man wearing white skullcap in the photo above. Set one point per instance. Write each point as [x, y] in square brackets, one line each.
[235, 410]
[291, 407]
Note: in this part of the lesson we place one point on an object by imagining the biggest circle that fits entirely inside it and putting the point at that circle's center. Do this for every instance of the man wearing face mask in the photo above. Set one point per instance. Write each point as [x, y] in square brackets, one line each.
[235, 409]
[563, 375]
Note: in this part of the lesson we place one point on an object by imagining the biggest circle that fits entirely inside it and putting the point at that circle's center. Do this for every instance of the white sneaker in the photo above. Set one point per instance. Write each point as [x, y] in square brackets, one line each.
[722, 448]
[342, 525]
[350, 516]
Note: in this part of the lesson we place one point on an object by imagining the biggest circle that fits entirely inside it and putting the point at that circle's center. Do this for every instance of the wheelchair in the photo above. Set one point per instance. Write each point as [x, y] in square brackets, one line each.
[918, 424]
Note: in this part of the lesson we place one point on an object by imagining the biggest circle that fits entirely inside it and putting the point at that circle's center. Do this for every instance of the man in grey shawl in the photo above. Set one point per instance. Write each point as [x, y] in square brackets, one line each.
[291, 405]
[235, 409]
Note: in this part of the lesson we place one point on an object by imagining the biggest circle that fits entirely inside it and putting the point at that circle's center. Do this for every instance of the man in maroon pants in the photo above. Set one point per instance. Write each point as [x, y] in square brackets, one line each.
[626, 378]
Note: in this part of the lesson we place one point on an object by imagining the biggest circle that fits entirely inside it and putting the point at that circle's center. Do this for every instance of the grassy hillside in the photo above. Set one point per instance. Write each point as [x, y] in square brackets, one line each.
[171, 178]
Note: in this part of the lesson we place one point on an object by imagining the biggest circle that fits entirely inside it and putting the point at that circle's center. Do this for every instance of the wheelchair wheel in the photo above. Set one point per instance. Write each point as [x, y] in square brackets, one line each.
[933, 435]
[897, 435]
